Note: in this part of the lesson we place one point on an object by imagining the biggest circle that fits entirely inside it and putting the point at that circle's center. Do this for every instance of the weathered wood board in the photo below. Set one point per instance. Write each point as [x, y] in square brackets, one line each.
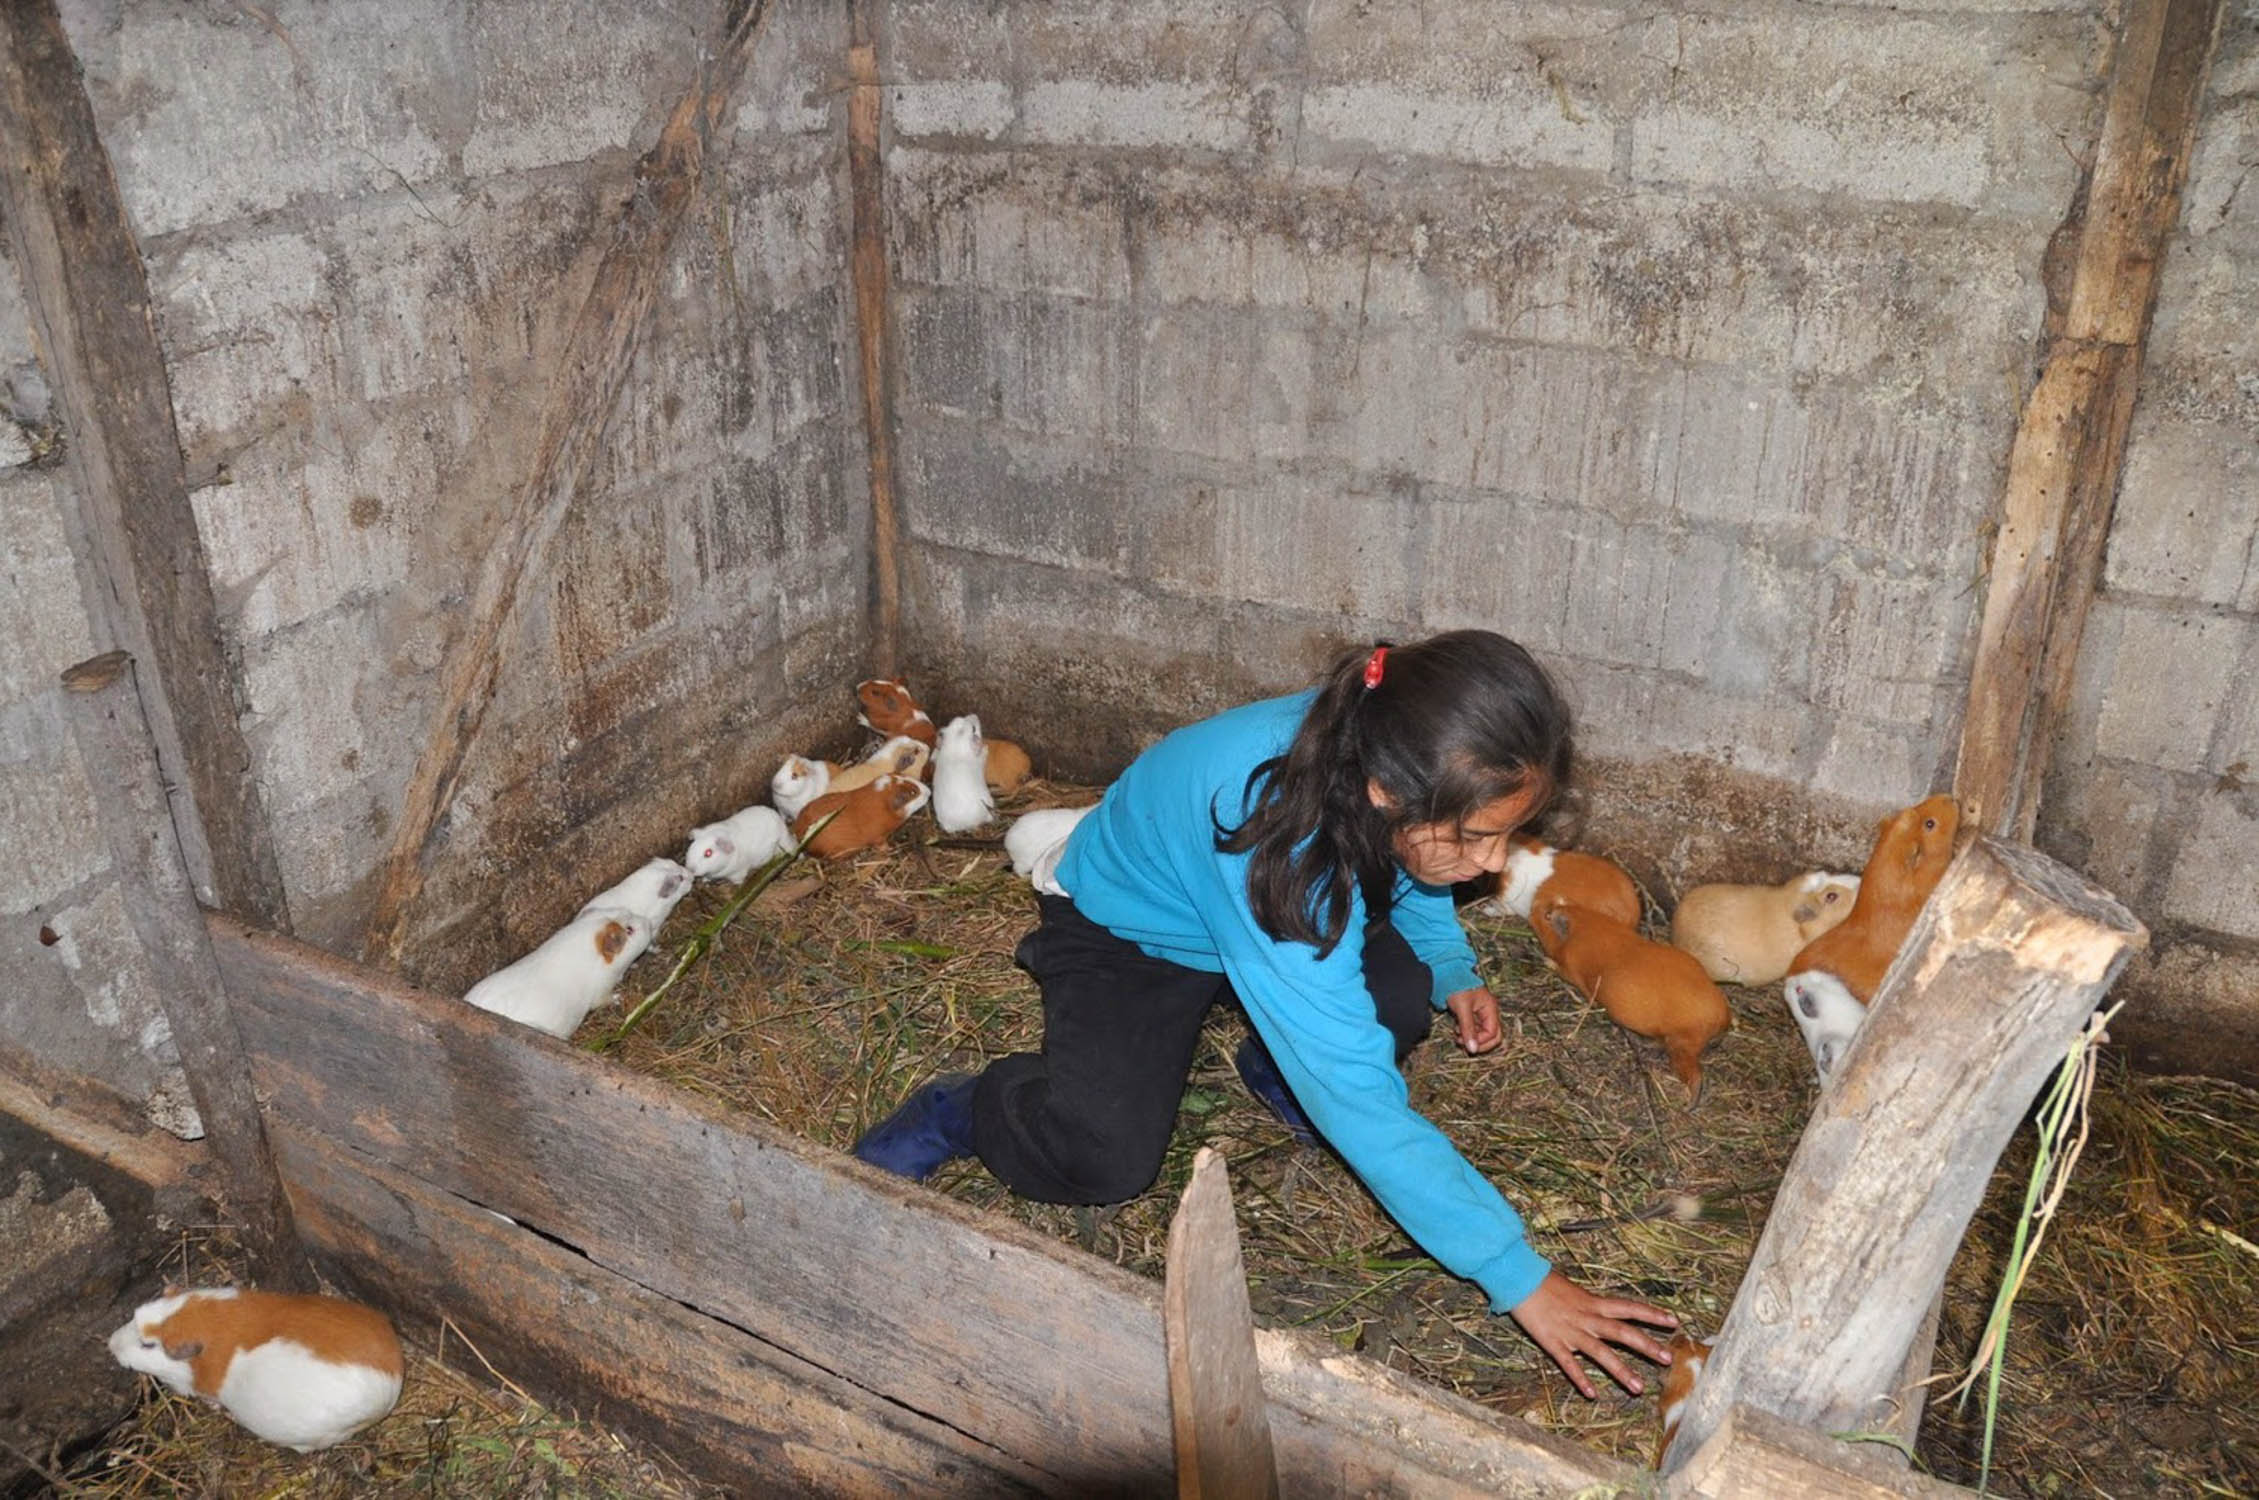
[1048, 1356]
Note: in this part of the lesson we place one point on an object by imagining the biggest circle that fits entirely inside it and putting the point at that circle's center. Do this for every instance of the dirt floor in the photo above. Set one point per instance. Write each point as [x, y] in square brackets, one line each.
[2131, 1359]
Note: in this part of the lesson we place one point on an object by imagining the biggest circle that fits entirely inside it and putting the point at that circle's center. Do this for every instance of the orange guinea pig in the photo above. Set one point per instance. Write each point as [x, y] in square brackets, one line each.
[1650, 989]
[1007, 768]
[1688, 1355]
[1537, 873]
[888, 708]
[1912, 848]
[868, 815]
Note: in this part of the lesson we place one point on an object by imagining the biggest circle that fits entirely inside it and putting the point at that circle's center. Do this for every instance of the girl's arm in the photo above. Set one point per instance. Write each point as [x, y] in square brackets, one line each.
[1429, 922]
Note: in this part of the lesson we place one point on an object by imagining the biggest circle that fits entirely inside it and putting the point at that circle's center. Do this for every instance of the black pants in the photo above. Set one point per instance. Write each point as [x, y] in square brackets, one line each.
[1088, 1119]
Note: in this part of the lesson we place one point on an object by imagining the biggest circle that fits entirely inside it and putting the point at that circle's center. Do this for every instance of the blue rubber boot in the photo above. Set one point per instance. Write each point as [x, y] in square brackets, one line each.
[932, 1126]
[1261, 1075]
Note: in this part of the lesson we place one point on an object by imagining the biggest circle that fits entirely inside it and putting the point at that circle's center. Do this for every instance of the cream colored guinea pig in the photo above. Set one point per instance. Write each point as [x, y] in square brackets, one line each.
[1746, 934]
[304, 1372]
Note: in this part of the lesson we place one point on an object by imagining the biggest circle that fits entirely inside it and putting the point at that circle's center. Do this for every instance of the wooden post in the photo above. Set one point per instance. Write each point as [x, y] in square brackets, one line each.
[867, 180]
[113, 739]
[141, 560]
[2000, 972]
[1223, 1433]
[2070, 440]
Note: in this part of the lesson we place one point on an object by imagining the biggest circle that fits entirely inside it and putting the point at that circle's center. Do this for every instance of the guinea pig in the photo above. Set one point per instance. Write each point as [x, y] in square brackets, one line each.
[1650, 989]
[888, 708]
[961, 799]
[1007, 768]
[651, 892]
[1912, 848]
[1746, 934]
[575, 969]
[306, 1372]
[1538, 872]
[1036, 840]
[868, 815]
[798, 782]
[1827, 1013]
[903, 755]
[738, 845]
[1688, 1355]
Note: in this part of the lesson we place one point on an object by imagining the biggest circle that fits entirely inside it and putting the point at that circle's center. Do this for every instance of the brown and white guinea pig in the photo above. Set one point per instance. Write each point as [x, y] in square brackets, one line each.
[1688, 1355]
[868, 815]
[652, 892]
[575, 969]
[1912, 848]
[1007, 768]
[903, 755]
[303, 1371]
[961, 798]
[888, 708]
[1650, 989]
[798, 782]
[1746, 934]
[1536, 872]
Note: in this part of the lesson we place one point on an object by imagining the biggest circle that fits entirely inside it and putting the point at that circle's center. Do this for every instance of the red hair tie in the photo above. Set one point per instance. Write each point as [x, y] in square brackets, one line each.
[1375, 664]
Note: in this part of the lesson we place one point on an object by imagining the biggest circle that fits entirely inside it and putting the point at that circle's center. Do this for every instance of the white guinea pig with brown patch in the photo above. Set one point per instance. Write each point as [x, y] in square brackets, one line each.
[306, 1372]
[961, 798]
[575, 969]
[1036, 840]
[798, 782]
[1746, 934]
[652, 892]
[738, 845]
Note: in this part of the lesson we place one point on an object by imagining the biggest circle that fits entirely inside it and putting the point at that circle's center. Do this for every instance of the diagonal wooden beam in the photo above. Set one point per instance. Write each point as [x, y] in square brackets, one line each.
[2070, 441]
[583, 393]
[141, 561]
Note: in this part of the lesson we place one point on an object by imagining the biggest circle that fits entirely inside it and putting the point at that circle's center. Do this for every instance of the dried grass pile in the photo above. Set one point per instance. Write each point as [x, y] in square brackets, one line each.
[847, 985]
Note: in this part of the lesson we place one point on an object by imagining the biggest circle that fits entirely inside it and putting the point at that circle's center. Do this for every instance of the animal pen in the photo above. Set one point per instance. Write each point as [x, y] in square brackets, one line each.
[455, 449]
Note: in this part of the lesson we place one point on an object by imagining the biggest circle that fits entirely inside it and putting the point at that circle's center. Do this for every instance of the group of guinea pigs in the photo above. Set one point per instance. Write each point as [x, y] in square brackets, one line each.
[309, 1371]
[1831, 937]
[817, 806]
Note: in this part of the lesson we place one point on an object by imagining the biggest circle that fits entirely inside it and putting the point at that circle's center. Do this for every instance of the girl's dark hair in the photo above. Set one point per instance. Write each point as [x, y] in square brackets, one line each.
[1456, 722]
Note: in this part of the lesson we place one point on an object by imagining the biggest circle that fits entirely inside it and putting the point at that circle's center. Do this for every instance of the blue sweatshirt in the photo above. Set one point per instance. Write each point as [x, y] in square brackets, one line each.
[1145, 867]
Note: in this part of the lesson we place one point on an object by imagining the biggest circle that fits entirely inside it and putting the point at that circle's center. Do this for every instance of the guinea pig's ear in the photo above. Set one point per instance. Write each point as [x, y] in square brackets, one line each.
[1805, 911]
[184, 1352]
[1557, 918]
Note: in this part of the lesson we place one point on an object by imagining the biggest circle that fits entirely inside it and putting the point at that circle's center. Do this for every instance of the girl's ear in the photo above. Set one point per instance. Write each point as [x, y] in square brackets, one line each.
[1380, 798]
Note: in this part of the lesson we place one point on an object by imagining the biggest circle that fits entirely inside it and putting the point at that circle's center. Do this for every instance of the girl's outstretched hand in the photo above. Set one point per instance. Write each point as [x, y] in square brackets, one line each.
[1566, 1321]
[1476, 1011]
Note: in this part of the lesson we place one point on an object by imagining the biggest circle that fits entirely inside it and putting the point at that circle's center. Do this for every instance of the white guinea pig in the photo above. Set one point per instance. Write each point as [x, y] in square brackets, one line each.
[652, 893]
[305, 1372]
[575, 969]
[798, 782]
[738, 845]
[961, 798]
[1036, 840]
[1827, 1013]
[1746, 934]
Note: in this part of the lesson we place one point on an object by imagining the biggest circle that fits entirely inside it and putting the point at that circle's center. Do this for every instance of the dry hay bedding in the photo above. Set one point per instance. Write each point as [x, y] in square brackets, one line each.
[849, 984]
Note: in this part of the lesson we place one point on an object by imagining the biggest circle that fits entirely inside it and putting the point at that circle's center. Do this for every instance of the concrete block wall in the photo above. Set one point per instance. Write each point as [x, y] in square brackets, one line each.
[369, 229]
[2155, 789]
[81, 997]
[1682, 345]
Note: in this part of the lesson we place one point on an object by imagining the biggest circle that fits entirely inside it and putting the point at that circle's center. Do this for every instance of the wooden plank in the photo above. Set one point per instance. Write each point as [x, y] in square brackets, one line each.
[1035, 1349]
[583, 393]
[867, 184]
[150, 1157]
[737, 1410]
[1223, 1437]
[2001, 970]
[1755, 1455]
[2069, 448]
[141, 559]
[160, 902]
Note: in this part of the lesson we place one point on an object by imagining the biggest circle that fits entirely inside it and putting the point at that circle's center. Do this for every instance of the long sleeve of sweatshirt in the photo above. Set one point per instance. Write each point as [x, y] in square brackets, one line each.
[1145, 866]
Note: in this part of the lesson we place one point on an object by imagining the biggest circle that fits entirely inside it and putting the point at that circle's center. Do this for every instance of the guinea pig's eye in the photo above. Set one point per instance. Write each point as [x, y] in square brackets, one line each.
[1832, 897]
[148, 1343]
[1929, 825]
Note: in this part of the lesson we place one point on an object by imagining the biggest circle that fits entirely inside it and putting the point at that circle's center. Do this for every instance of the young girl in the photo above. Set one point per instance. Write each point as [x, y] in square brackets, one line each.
[1295, 855]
